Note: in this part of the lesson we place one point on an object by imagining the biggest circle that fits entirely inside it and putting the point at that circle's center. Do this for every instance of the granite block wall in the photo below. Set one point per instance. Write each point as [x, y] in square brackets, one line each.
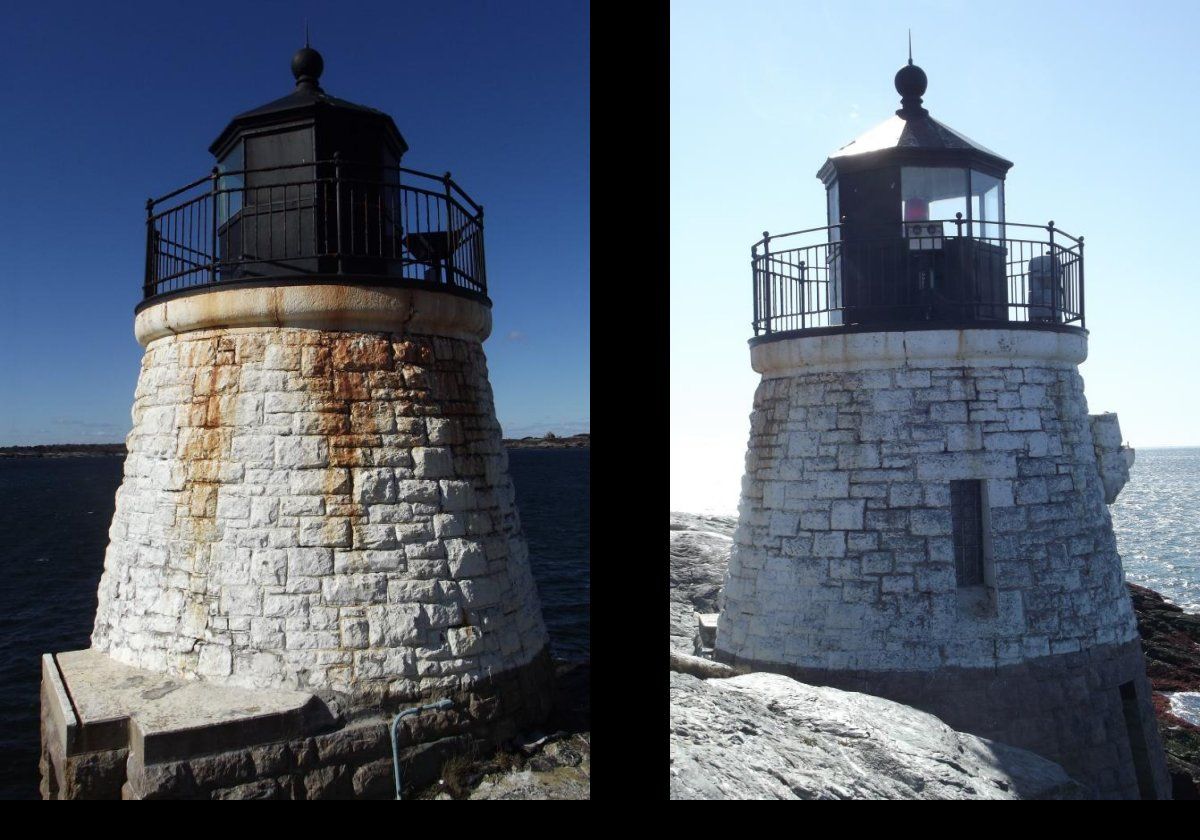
[843, 570]
[316, 509]
[844, 557]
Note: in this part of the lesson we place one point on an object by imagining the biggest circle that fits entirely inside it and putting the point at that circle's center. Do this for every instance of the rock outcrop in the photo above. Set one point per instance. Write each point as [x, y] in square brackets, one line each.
[700, 548]
[1171, 642]
[554, 763]
[764, 736]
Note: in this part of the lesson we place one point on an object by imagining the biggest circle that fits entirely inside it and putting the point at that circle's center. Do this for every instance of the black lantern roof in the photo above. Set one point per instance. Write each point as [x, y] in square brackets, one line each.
[912, 137]
[309, 103]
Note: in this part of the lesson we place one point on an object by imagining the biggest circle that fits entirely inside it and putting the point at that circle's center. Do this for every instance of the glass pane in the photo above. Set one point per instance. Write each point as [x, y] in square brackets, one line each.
[230, 187]
[833, 212]
[987, 205]
[933, 193]
[833, 259]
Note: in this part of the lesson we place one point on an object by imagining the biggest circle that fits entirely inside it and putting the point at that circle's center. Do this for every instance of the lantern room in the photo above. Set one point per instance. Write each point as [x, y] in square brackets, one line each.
[914, 169]
[916, 236]
[273, 161]
[310, 187]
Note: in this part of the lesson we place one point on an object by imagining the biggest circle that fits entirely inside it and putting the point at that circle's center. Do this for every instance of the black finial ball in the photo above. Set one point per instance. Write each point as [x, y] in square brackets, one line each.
[307, 66]
[911, 82]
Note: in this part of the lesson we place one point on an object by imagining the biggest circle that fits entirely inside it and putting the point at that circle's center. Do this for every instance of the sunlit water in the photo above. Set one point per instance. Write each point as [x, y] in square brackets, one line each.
[1186, 706]
[1157, 522]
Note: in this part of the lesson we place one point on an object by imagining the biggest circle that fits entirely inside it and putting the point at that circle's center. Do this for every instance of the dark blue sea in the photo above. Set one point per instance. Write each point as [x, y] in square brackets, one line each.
[54, 517]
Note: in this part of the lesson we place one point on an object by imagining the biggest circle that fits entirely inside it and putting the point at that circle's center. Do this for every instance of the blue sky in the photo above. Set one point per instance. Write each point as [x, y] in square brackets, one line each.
[107, 104]
[1095, 103]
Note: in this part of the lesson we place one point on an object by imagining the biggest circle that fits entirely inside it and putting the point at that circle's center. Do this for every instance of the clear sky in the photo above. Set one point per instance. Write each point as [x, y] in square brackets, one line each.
[1095, 103]
[108, 103]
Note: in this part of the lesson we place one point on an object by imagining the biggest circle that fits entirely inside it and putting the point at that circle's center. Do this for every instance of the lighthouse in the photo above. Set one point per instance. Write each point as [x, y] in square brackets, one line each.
[316, 569]
[923, 514]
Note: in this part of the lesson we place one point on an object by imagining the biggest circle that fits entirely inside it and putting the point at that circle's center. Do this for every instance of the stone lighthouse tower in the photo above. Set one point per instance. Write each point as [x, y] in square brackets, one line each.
[923, 514]
[316, 528]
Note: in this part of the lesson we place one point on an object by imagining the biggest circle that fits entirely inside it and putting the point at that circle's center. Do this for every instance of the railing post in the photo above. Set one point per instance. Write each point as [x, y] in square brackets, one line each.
[212, 273]
[447, 183]
[1082, 309]
[337, 193]
[151, 281]
[970, 308]
[767, 282]
[1055, 280]
[835, 292]
[480, 264]
[803, 297]
[754, 285]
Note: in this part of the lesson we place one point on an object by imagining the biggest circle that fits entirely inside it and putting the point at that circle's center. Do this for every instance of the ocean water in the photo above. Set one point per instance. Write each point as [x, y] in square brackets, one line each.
[54, 518]
[1157, 522]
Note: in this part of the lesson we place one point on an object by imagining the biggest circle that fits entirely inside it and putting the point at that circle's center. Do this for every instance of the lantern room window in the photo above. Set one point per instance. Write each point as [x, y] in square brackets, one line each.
[987, 206]
[230, 187]
[932, 193]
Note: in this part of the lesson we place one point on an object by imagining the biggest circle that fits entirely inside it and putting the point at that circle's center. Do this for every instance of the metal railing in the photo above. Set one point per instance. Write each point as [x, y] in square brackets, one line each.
[321, 219]
[918, 275]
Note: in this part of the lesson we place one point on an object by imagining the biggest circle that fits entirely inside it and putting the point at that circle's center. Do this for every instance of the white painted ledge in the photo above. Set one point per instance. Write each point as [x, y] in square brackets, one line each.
[323, 306]
[918, 348]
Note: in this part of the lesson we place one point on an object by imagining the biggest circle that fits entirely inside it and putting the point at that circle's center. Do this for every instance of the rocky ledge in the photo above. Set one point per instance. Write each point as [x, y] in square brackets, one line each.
[764, 736]
[760, 735]
[1171, 643]
[553, 764]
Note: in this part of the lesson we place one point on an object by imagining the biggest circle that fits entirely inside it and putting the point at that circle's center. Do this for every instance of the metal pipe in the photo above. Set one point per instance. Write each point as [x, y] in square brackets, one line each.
[444, 703]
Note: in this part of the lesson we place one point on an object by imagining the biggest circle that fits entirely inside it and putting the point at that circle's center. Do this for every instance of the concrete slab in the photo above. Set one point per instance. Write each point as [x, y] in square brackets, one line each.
[163, 718]
[63, 722]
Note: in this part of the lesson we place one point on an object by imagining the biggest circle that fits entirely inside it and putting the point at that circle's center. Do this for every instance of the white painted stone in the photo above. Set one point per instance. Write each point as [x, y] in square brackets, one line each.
[417, 491]
[215, 661]
[432, 462]
[847, 514]
[465, 641]
[291, 510]
[927, 349]
[843, 554]
[1114, 459]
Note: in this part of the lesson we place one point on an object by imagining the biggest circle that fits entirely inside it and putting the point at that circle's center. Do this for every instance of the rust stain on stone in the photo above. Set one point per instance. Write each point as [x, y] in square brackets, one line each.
[204, 450]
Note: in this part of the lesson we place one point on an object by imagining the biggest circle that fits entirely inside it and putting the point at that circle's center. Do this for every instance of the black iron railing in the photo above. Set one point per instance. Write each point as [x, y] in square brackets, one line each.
[917, 275]
[326, 219]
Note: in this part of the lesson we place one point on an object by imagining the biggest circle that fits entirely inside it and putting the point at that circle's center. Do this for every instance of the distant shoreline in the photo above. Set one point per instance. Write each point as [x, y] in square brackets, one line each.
[94, 450]
[552, 442]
